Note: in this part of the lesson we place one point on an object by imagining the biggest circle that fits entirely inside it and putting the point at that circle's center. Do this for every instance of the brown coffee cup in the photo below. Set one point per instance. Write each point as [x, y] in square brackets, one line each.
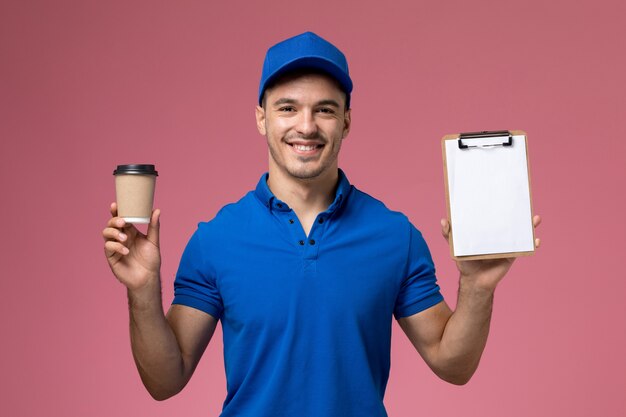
[134, 189]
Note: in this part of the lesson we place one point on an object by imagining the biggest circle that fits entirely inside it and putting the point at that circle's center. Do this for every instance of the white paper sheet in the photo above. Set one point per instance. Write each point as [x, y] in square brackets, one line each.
[489, 197]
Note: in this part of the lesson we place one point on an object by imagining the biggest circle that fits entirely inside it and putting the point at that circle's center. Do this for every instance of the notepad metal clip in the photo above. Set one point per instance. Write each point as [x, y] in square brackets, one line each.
[485, 134]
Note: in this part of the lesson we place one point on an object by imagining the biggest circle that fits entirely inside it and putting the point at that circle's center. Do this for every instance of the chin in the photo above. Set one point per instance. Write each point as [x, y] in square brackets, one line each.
[307, 173]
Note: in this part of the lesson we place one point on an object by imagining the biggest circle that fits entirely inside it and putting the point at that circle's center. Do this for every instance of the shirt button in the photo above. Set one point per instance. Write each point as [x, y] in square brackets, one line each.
[290, 221]
[312, 242]
[321, 220]
[301, 242]
[280, 205]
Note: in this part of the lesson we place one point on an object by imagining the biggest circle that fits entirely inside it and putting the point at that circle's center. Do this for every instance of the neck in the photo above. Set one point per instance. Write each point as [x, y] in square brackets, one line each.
[304, 196]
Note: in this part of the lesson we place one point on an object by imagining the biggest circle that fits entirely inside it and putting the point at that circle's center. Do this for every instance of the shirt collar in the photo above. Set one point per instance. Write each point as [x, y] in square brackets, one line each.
[269, 200]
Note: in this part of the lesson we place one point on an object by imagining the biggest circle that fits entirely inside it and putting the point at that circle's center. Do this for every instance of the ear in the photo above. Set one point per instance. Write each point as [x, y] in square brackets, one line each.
[347, 122]
[260, 120]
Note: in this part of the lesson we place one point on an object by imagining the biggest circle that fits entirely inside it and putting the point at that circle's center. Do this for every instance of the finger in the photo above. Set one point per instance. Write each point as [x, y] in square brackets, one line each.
[536, 220]
[154, 226]
[121, 225]
[445, 228]
[118, 222]
[111, 233]
[537, 243]
[112, 248]
[114, 209]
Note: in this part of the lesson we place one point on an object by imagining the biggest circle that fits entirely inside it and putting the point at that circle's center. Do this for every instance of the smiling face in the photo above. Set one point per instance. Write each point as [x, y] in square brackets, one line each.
[305, 121]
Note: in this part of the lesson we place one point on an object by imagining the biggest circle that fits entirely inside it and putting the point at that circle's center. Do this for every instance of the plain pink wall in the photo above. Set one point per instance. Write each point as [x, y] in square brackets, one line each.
[87, 85]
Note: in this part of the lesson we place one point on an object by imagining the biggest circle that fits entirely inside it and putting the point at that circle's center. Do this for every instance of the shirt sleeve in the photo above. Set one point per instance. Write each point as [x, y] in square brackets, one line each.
[419, 290]
[194, 285]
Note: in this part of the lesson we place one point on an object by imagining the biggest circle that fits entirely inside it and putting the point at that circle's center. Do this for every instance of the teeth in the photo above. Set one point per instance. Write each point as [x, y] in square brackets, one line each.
[304, 148]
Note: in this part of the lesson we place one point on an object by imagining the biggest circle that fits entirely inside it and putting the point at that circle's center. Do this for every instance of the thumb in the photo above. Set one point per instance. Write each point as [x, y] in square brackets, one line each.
[153, 227]
[445, 229]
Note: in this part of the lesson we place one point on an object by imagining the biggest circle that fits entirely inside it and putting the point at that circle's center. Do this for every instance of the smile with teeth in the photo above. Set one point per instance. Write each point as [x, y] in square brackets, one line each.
[305, 147]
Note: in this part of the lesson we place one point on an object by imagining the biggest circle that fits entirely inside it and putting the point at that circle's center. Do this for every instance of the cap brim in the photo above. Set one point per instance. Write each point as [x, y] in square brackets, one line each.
[313, 62]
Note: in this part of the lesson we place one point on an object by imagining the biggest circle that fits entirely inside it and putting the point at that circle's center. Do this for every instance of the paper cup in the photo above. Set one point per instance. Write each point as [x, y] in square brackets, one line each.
[134, 189]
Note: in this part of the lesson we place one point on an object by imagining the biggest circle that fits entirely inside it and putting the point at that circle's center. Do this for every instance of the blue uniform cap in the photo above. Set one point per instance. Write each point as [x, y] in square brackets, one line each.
[307, 50]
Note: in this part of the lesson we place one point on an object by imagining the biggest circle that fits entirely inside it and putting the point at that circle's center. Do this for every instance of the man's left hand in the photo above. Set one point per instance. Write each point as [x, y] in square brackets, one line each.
[484, 273]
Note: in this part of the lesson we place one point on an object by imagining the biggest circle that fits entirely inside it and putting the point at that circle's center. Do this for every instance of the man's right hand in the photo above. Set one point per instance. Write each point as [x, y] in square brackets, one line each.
[166, 349]
[134, 258]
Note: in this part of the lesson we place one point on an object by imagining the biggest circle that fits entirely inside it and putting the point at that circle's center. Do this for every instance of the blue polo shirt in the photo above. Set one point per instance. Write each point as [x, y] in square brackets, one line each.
[306, 320]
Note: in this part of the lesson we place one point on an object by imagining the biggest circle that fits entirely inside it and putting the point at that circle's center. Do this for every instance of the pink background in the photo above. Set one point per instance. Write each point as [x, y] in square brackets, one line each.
[87, 85]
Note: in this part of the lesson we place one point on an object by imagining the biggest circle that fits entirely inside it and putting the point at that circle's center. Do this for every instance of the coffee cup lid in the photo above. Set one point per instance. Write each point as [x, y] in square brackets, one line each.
[136, 169]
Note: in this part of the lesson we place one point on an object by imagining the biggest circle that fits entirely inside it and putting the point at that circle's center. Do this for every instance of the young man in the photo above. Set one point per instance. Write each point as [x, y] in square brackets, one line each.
[305, 272]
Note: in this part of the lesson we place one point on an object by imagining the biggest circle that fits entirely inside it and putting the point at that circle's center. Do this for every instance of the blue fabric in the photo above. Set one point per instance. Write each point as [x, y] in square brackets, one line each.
[307, 320]
[309, 51]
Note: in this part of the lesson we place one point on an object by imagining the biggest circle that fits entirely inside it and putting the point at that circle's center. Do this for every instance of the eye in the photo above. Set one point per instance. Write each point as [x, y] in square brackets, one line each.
[286, 109]
[326, 110]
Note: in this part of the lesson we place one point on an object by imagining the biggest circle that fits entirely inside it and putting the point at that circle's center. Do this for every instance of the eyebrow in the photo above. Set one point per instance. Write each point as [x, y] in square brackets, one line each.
[284, 100]
[326, 102]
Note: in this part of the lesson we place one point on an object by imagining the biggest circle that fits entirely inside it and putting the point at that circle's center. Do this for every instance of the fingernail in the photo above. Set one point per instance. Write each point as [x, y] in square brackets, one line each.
[122, 236]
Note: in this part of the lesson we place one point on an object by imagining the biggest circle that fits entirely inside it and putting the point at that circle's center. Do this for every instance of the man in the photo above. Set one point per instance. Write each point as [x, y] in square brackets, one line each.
[305, 272]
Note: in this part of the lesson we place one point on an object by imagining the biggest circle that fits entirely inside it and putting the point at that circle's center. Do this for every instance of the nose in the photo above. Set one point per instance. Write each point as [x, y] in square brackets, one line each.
[306, 125]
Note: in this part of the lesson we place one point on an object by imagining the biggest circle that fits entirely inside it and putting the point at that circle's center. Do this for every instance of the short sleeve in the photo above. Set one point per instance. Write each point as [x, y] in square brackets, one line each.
[419, 289]
[194, 285]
